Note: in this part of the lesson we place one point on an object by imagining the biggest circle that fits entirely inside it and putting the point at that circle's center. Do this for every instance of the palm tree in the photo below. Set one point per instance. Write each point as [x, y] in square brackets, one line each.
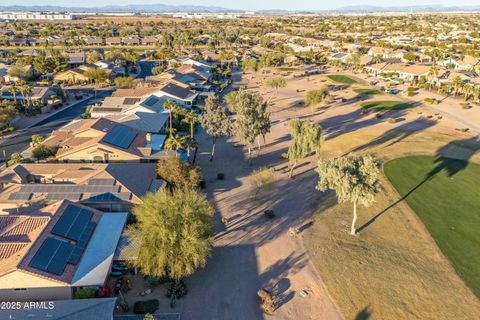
[171, 106]
[467, 90]
[191, 119]
[189, 143]
[457, 84]
[174, 142]
[432, 74]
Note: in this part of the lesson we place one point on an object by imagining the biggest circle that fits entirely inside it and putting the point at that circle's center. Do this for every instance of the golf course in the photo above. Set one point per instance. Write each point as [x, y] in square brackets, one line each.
[443, 192]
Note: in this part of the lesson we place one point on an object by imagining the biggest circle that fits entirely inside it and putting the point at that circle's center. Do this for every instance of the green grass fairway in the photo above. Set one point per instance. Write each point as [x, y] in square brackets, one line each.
[367, 91]
[342, 79]
[448, 204]
[385, 105]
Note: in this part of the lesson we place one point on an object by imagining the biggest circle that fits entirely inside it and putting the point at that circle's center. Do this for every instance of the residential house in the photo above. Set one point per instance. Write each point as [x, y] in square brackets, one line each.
[51, 253]
[40, 94]
[181, 94]
[29, 186]
[113, 41]
[103, 140]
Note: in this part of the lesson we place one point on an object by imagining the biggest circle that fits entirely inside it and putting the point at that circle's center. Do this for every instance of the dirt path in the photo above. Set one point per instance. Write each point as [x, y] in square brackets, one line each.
[252, 252]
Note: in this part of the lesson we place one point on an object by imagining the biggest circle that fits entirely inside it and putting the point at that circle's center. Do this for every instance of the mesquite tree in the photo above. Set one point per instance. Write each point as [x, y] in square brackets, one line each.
[354, 179]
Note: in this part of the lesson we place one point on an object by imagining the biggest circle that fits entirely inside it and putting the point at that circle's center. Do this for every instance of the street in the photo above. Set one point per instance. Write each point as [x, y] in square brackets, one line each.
[20, 140]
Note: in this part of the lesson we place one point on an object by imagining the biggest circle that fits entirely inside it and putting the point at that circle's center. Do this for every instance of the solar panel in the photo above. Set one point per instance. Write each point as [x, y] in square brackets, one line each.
[20, 196]
[131, 101]
[72, 223]
[151, 101]
[64, 188]
[101, 182]
[61, 196]
[111, 196]
[52, 256]
[120, 136]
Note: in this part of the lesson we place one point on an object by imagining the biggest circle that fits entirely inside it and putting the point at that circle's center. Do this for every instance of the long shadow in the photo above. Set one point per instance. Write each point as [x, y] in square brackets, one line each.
[398, 133]
[443, 162]
[364, 314]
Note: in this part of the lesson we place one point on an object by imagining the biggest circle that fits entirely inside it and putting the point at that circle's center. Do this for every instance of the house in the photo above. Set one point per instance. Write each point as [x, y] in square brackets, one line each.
[76, 59]
[92, 41]
[103, 140]
[152, 40]
[79, 309]
[40, 94]
[131, 40]
[28, 186]
[77, 74]
[407, 72]
[468, 63]
[50, 253]
[199, 63]
[181, 94]
[144, 114]
[113, 41]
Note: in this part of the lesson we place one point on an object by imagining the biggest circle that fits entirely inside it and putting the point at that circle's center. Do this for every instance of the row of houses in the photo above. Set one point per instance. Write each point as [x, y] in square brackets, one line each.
[87, 40]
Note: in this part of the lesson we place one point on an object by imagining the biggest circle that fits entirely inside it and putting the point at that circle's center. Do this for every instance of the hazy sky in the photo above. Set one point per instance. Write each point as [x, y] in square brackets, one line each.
[246, 4]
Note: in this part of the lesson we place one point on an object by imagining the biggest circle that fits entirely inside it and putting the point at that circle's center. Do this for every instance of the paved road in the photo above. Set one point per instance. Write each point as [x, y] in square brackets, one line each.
[20, 140]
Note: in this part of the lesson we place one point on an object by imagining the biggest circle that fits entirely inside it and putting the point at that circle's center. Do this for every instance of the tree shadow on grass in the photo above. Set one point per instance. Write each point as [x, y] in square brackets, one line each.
[464, 149]
[364, 314]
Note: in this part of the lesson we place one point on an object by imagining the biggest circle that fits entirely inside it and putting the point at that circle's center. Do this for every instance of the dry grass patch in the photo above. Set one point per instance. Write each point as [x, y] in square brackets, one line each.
[393, 268]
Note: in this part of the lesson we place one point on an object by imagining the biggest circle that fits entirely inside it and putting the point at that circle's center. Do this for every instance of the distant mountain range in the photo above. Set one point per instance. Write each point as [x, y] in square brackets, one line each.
[161, 8]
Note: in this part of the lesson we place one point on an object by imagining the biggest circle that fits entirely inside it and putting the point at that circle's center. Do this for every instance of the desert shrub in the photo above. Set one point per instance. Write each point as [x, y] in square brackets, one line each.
[43, 152]
[144, 307]
[465, 105]
[268, 301]
[262, 179]
[431, 100]
[392, 120]
[85, 293]
[411, 93]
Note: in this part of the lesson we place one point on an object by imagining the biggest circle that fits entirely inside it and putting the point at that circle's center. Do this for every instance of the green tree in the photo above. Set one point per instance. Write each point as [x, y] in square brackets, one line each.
[14, 90]
[37, 140]
[16, 158]
[275, 83]
[179, 173]
[125, 83]
[191, 119]
[96, 75]
[158, 70]
[20, 72]
[43, 152]
[252, 120]
[174, 142]
[8, 112]
[189, 143]
[93, 56]
[215, 121]
[315, 97]
[171, 106]
[307, 138]
[354, 179]
[174, 230]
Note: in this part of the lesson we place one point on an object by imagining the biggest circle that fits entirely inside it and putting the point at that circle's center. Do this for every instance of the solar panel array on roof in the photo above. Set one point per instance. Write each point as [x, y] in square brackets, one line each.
[120, 136]
[101, 182]
[20, 196]
[64, 188]
[131, 101]
[111, 197]
[52, 256]
[151, 101]
[67, 196]
[72, 223]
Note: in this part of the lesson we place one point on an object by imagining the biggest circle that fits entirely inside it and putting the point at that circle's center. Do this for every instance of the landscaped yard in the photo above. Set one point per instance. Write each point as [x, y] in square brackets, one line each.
[367, 91]
[448, 204]
[342, 79]
[385, 105]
